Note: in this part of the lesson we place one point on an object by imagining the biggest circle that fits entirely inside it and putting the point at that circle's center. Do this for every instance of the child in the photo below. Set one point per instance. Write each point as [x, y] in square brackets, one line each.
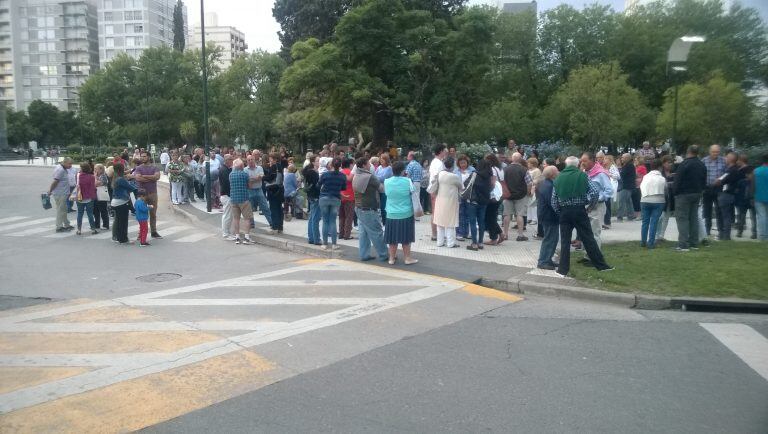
[142, 215]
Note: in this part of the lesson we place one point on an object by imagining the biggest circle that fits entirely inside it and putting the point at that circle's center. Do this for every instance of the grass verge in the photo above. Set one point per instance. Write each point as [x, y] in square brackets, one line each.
[726, 269]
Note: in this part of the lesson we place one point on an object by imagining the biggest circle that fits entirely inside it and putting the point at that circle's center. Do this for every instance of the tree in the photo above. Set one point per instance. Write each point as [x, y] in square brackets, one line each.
[599, 106]
[179, 38]
[188, 131]
[303, 19]
[49, 125]
[715, 111]
[20, 129]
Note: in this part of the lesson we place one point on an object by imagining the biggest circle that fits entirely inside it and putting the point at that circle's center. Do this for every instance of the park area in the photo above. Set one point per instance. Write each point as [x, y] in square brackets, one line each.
[724, 269]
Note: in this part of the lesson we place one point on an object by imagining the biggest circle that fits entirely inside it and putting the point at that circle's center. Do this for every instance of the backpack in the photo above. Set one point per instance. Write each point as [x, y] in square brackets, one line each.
[469, 185]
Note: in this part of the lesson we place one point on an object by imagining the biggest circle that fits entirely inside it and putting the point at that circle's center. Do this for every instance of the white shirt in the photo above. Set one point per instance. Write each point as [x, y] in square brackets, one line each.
[165, 158]
[435, 167]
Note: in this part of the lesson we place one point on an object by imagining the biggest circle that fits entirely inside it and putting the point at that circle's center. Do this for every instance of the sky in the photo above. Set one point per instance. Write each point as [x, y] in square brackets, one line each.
[254, 17]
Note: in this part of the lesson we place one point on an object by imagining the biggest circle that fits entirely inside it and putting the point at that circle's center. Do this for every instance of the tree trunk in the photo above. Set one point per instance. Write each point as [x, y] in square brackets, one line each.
[383, 128]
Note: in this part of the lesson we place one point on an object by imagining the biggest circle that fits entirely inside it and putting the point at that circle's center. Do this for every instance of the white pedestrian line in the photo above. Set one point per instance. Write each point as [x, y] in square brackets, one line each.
[340, 301]
[174, 229]
[11, 219]
[27, 223]
[749, 345]
[193, 238]
[131, 230]
[32, 327]
[31, 231]
[115, 368]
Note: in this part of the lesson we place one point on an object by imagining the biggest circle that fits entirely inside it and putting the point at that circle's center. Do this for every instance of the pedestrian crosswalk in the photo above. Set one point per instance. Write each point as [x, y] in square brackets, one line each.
[22, 226]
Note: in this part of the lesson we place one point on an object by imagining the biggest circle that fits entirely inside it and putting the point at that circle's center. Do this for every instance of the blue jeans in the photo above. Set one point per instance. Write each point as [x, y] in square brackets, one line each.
[761, 209]
[313, 224]
[369, 228]
[651, 213]
[329, 209]
[463, 229]
[86, 207]
[257, 198]
[548, 243]
[476, 214]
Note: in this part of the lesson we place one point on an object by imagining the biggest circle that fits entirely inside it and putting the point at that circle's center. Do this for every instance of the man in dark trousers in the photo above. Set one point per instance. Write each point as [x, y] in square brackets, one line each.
[627, 184]
[549, 219]
[690, 181]
[573, 194]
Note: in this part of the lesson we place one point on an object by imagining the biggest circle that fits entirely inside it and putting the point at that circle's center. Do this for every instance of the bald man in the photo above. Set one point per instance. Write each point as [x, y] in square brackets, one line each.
[716, 166]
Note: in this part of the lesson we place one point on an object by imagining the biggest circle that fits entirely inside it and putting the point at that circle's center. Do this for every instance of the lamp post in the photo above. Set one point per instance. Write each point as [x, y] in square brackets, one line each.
[208, 199]
[677, 56]
[80, 120]
[146, 105]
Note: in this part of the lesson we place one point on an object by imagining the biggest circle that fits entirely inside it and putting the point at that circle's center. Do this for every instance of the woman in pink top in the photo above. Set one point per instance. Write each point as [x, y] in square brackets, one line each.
[86, 196]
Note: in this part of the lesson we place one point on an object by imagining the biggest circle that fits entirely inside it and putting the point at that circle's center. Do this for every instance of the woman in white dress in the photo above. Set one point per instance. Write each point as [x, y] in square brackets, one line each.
[446, 212]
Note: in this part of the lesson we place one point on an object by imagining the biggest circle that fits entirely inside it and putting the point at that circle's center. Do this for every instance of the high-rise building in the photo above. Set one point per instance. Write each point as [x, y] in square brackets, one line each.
[231, 40]
[47, 50]
[518, 7]
[131, 26]
[631, 5]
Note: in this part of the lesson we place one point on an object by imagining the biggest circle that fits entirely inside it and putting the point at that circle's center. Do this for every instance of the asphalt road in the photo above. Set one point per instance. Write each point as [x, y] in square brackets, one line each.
[251, 339]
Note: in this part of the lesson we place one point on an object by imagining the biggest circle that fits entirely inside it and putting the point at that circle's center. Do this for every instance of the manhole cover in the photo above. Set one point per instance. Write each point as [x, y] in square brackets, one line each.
[158, 277]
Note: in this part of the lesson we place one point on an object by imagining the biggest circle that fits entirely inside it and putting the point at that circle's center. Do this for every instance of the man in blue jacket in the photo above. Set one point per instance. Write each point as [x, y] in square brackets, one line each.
[549, 219]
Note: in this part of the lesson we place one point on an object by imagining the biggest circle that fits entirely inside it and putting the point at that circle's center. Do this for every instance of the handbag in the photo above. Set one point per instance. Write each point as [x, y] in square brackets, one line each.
[496, 193]
[76, 195]
[46, 200]
[468, 186]
[416, 202]
[102, 193]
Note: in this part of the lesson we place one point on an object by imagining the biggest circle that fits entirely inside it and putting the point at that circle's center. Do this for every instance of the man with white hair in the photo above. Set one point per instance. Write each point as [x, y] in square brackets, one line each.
[647, 152]
[548, 217]
[716, 167]
[573, 194]
[238, 201]
[519, 184]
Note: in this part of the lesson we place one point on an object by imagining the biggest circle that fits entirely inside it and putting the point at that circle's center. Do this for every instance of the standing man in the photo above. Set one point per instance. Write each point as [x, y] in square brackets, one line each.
[760, 183]
[413, 169]
[60, 191]
[715, 165]
[599, 176]
[239, 204]
[726, 198]
[146, 176]
[520, 184]
[224, 187]
[435, 167]
[646, 152]
[627, 184]
[367, 189]
[255, 191]
[573, 195]
[30, 156]
[165, 159]
[690, 182]
[548, 218]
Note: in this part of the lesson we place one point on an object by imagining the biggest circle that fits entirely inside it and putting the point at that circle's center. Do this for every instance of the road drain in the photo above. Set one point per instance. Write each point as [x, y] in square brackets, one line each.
[158, 277]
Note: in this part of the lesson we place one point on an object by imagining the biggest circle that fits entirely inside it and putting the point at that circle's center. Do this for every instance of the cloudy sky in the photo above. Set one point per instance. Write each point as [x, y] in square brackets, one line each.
[254, 17]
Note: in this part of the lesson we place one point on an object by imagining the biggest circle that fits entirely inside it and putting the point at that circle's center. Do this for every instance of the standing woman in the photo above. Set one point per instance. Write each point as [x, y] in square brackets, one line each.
[641, 171]
[423, 195]
[273, 180]
[613, 173]
[347, 210]
[492, 209]
[465, 171]
[446, 215]
[100, 211]
[667, 171]
[383, 172]
[176, 177]
[535, 172]
[121, 201]
[86, 196]
[400, 226]
[331, 184]
[477, 203]
[311, 179]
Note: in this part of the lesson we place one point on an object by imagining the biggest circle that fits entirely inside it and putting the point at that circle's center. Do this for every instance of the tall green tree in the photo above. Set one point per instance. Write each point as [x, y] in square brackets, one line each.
[179, 37]
[599, 107]
[19, 127]
[715, 111]
[304, 19]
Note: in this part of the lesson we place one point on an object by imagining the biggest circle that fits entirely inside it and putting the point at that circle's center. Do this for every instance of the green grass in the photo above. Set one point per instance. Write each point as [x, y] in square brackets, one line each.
[726, 269]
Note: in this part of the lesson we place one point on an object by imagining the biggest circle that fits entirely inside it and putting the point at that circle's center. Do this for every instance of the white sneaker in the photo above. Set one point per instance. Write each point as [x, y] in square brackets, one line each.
[335, 247]
[324, 247]
[230, 237]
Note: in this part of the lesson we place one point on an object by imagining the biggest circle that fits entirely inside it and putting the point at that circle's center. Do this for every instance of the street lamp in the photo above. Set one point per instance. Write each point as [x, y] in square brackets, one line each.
[208, 199]
[146, 104]
[80, 121]
[677, 56]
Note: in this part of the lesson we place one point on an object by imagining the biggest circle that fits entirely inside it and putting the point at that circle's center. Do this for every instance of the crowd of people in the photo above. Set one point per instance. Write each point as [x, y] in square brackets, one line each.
[383, 196]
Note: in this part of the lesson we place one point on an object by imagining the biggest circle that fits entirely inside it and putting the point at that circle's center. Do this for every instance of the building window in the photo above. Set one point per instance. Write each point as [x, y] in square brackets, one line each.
[109, 42]
[108, 16]
[134, 3]
[49, 70]
[133, 16]
[27, 94]
[50, 46]
[109, 29]
[138, 28]
[49, 22]
[107, 5]
[134, 41]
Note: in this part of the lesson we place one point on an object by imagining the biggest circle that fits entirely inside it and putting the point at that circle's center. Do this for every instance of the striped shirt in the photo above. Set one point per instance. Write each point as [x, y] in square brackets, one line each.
[715, 168]
[590, 197]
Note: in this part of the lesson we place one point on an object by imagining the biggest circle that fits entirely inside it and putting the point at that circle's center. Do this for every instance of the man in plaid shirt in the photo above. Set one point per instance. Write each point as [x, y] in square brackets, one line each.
[715, 165]
[238, 199]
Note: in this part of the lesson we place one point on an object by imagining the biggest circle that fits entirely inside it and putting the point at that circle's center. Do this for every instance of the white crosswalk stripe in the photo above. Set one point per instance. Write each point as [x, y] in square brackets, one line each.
[32, 231]
[193, 238]
[747, 343]
[174, 229]
[27, 223]
[11, 219]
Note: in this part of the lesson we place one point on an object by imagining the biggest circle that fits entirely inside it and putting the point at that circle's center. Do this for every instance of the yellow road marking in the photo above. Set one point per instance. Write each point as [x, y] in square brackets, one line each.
[145, 401]
[311, 261]
[89, 343]
[14, 378]
[482, 291]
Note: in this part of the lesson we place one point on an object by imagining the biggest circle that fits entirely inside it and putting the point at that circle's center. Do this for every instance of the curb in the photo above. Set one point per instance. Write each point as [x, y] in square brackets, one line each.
[270, 241]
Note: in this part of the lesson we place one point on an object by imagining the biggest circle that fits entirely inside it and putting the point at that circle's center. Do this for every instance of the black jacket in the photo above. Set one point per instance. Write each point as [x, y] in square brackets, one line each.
[544, 209]
[628, 176]
[224, 180]
[691, 176]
